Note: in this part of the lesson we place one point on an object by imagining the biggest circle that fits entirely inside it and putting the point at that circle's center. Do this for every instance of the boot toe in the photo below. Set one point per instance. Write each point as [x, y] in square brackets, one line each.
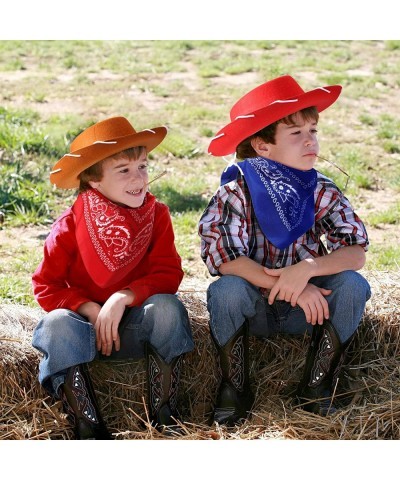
[232, 407]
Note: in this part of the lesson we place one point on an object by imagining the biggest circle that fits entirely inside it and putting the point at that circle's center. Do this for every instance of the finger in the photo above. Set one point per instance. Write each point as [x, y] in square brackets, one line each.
[294, 299]
[107, 340]
[117, 343]
[272, 294]
[98, 336]
[287, 296]
[115, 336]
[314, 316]
[325, 306]
[307, 313]
[319, 312]
[325, 292]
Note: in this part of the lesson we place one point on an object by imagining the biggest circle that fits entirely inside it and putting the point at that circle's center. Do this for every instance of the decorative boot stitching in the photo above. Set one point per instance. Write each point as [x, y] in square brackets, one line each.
[173, 391]
[236, 364]
[82, 397]
[156, 385]
[323, 360]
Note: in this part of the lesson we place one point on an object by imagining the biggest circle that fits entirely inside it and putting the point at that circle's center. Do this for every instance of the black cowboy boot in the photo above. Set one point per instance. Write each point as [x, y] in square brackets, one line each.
[162, 385]
[235, 398]
[323, 363]
[79, 401]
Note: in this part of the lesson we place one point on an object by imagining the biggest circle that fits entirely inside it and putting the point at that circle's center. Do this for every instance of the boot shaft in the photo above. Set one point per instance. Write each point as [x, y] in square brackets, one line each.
[235, 398]
[323, 362]
[80, 403]
[162, 385]
[233, 359]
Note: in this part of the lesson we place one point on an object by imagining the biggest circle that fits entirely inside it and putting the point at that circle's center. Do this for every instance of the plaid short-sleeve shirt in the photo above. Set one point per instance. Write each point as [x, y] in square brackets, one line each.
[229, 229]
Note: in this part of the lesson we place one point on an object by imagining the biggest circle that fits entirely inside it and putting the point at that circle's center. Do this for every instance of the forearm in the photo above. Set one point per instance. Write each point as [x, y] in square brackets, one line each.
[163, 275]
[346, 258]
[292, 280]
[50, 297]
[248, 269]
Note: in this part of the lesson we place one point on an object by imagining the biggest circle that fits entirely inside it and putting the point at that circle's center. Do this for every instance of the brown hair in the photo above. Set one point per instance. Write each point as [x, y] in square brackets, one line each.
[95, 172]
[245, 150]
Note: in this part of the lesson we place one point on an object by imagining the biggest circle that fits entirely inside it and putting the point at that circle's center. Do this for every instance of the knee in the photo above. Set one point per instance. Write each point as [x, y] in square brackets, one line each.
[229, 292]
[54, 323]
[59, 325]
[352, 283]
[166, 310]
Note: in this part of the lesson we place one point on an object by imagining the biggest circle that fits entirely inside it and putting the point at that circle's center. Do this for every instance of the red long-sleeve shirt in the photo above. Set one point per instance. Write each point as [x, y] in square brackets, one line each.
[62, 281]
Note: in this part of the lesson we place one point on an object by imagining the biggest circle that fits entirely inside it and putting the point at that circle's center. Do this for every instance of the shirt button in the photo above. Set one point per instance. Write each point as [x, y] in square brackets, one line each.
[278, 264]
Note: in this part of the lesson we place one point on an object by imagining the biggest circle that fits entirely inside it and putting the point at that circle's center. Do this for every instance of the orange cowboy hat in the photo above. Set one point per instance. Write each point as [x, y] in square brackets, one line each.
[267, 104]
[98, 142]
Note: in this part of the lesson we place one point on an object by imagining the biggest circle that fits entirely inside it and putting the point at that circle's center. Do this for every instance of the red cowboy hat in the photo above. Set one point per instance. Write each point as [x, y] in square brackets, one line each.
[267, 104]
[98, 142]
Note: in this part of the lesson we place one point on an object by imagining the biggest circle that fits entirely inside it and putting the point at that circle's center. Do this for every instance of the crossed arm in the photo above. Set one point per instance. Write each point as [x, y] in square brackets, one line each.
[292, 283]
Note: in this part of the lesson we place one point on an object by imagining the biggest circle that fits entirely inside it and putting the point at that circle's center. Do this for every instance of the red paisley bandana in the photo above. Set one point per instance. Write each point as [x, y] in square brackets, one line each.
[112, 239]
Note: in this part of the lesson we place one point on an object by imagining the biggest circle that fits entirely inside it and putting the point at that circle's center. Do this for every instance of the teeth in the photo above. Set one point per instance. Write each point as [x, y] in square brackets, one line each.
[134, 192]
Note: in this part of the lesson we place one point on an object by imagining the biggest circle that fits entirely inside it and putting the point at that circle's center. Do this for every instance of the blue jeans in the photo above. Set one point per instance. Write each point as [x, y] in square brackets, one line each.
[66, 338]
[231, 300]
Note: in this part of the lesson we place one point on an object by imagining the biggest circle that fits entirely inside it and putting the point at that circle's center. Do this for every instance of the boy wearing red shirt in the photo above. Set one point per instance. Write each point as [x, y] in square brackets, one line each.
[109, 276]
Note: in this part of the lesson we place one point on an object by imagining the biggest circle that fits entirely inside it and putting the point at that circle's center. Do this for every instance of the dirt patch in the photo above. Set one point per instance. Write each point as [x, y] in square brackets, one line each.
[31, 236]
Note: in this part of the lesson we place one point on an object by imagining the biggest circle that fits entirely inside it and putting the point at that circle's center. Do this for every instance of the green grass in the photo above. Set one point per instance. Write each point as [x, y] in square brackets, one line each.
[391, 216]
[51, 90]
[384, 258]
[16, 272]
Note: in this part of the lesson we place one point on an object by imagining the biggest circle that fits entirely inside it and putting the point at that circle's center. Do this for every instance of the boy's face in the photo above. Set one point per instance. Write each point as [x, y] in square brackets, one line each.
[124, 180]
[296, 145]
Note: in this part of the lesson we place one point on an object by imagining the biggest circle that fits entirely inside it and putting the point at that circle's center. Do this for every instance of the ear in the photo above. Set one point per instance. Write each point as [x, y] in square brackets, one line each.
[260, 146]
[94, 184]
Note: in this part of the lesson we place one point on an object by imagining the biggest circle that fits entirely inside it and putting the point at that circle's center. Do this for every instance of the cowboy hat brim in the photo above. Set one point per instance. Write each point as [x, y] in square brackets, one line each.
[230, 136]
[66, 171]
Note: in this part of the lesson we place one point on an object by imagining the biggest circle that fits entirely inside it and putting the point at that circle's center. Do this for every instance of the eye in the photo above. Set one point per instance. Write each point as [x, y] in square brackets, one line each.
[314, 130]
[124, 170]
[143, 166]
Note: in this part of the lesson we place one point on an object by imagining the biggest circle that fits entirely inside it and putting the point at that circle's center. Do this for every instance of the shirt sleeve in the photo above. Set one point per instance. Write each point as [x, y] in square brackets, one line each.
[337, 219]
[50, 287]
[223, 227]
[162, 262]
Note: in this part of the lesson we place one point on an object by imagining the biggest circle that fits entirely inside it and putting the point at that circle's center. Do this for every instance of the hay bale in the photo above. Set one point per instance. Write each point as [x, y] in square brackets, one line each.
[370, 409]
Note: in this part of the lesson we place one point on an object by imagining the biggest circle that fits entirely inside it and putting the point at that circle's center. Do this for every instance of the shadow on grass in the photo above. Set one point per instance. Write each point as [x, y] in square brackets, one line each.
[179, 202]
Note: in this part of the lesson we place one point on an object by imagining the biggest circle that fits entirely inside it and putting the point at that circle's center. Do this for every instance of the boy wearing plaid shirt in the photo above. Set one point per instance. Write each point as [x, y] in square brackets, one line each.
[286, 244]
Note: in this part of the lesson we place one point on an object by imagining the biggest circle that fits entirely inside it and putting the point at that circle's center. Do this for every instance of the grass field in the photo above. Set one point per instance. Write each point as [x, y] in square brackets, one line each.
[51, 90]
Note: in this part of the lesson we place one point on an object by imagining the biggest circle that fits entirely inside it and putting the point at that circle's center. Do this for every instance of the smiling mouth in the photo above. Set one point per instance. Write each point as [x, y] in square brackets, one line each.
[134, 192]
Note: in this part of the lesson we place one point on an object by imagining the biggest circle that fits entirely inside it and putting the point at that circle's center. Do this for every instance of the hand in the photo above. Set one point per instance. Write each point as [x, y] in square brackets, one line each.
[313, 303]
[108, 320]
[291, 281]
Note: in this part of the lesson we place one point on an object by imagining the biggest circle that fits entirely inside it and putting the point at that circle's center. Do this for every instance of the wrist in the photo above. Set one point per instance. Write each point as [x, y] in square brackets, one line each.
[312, 267]
[89, 310]
[125, 296]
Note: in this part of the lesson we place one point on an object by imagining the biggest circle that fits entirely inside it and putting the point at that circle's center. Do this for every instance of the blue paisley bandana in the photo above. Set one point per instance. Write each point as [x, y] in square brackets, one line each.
[283, 197]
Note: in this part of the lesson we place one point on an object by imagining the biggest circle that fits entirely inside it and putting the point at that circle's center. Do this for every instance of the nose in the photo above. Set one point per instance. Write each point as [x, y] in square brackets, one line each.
[310, 139]
[137, 180]
[135, 175]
